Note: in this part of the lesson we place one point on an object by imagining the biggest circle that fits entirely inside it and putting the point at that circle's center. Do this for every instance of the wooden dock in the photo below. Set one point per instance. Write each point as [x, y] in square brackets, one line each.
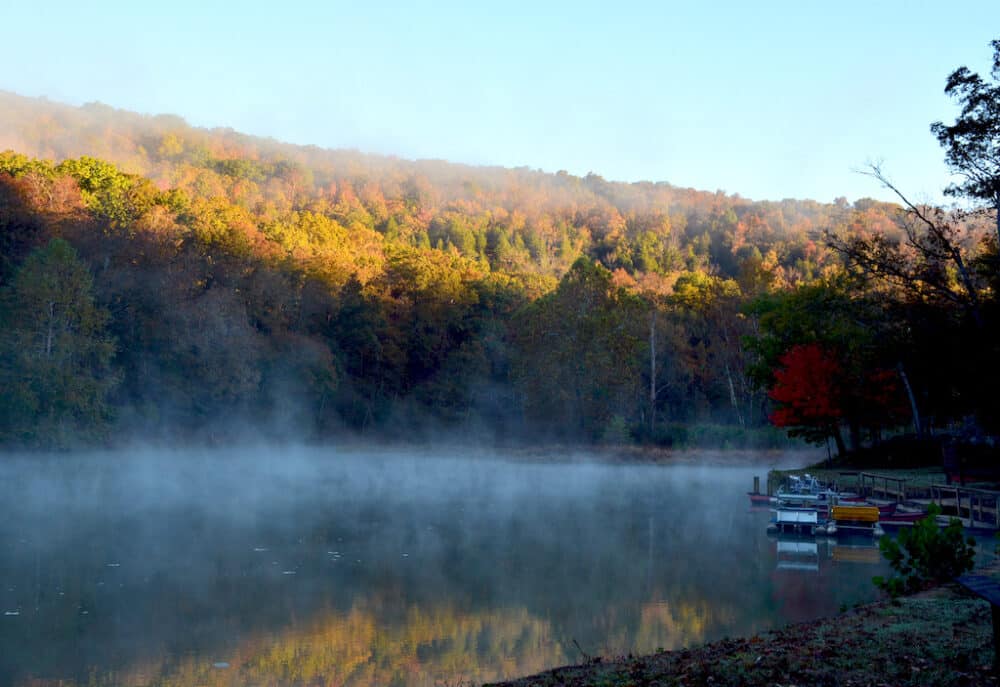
[871, 485]
[977, 508]
[987, 587]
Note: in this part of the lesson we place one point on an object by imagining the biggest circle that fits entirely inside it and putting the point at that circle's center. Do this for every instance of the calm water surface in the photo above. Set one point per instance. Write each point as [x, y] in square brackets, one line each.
[308, 566]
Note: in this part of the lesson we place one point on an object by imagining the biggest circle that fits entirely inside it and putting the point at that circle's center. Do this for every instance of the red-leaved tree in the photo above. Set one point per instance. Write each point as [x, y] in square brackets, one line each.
[807, 389]
[817, 393]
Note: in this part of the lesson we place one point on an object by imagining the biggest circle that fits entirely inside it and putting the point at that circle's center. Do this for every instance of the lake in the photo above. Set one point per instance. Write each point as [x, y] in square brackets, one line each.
[332, 566]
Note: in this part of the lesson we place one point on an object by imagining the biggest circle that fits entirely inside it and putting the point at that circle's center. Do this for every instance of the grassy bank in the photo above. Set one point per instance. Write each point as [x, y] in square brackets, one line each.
[941, 637]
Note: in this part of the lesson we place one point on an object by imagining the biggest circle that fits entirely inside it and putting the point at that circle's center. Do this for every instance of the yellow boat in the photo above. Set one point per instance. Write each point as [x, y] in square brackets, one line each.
[854, 513]
[853, 519]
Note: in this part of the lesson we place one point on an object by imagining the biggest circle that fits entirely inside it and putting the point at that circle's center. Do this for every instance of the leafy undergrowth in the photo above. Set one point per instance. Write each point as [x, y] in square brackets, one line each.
[937, 638]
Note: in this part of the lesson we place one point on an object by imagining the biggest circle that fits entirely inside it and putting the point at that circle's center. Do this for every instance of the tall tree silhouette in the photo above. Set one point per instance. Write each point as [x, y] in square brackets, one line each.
[973, 141]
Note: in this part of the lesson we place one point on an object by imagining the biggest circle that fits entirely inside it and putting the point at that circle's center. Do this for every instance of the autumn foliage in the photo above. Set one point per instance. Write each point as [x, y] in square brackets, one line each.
[816, 393]
[807, 388]
[311, 292]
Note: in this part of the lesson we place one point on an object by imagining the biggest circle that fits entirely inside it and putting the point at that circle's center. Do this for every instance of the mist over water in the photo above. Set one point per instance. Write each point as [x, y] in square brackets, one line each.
[278, 565]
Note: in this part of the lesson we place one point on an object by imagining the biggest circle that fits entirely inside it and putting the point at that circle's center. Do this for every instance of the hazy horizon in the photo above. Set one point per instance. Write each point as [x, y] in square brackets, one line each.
[877, 193]
[769, 104]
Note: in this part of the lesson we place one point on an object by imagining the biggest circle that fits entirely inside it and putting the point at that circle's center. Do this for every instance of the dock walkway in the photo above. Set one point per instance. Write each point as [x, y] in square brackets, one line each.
[988, 588]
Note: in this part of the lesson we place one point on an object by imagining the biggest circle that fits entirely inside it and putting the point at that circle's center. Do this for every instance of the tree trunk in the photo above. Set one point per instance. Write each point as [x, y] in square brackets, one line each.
[855, 429]
[732, 395]
[652, 372]
[996, 209]
[50, 333]
[839, 439]
[913, 401]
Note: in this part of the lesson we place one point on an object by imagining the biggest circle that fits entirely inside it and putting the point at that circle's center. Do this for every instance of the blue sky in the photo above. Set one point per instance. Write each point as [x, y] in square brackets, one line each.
[769, 99]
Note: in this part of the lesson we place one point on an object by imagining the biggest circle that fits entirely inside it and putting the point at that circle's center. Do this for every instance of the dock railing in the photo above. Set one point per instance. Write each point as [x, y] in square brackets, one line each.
[980, 507]
[871, 485]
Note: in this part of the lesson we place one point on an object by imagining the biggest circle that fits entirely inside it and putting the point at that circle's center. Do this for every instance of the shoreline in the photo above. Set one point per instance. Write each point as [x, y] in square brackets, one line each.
[784, 459]
[942, 636]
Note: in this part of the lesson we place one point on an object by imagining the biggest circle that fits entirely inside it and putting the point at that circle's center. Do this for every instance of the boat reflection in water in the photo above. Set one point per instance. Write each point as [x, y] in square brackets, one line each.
[808, 554]
[835, 571]
[797, 555]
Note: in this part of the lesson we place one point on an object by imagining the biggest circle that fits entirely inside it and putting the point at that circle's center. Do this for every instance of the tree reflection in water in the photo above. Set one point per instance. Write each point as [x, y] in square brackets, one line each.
[303, 567]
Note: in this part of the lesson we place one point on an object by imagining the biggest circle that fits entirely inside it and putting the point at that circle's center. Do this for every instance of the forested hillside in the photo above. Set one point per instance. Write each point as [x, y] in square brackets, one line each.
[179, 283]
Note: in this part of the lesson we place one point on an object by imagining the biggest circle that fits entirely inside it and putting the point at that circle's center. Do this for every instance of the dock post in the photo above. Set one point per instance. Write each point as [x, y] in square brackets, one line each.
[756, 484]
[996, 638]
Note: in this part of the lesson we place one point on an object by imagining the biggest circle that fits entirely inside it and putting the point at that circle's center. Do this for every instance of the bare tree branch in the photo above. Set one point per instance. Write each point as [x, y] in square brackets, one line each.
[936, 241]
